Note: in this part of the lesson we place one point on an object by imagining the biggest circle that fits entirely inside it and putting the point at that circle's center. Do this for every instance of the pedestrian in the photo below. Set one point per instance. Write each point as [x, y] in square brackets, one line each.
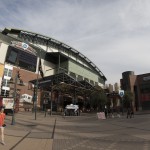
[132, 111]
[2, 125]
[106, 111]
[128, 112]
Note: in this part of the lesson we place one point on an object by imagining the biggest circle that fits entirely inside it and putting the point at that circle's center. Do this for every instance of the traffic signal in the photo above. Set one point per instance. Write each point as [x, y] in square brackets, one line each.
[19, 76]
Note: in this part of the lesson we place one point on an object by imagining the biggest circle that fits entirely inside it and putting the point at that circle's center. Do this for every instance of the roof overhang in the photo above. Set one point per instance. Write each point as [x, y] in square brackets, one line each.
[55, 57]
[57, 44]
[62, 82]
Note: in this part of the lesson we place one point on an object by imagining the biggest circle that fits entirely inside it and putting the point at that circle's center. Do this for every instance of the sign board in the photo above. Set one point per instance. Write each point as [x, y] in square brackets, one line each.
[121, 93]
[101, 115]
[8, 103]
[23, 46]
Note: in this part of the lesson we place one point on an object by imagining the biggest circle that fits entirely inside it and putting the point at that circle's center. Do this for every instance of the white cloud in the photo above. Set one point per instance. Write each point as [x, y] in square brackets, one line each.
[113, 34]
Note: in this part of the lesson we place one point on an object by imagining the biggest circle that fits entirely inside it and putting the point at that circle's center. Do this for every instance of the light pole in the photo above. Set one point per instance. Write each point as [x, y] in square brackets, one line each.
[36, 87]
[36, 96]
[51, 100]
[17, 76]
[14, 104]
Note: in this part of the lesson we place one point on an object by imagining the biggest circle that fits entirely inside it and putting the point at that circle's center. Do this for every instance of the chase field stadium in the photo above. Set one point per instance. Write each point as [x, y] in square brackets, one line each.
[52, 71]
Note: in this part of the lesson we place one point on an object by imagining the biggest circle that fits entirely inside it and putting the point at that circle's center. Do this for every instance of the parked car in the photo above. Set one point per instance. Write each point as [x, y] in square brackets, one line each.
[71, 110]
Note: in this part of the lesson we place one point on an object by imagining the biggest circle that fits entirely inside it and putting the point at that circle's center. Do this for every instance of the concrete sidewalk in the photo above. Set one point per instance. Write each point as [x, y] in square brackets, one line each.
[83, 132]
[28, 133]
[142, 112]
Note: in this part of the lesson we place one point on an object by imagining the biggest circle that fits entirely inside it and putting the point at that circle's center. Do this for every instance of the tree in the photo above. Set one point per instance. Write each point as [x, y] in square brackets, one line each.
[98, 99]
[128, 99]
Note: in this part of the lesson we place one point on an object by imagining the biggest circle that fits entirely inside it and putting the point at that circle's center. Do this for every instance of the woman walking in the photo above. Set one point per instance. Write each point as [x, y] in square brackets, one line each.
[2, 125]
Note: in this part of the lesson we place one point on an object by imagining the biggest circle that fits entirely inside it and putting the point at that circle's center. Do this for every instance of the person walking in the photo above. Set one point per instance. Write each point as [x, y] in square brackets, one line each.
[128, 112]
[2, 125]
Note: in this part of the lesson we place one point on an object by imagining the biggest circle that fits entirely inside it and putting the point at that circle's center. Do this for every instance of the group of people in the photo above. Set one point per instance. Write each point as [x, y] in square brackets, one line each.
[2, 124]
[110, 112]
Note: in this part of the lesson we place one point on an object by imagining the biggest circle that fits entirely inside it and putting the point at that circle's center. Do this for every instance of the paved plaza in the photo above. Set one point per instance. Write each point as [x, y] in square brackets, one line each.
[84, 132]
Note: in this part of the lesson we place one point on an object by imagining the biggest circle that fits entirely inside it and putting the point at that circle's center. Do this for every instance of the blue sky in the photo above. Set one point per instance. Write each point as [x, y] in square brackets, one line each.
[113, 34]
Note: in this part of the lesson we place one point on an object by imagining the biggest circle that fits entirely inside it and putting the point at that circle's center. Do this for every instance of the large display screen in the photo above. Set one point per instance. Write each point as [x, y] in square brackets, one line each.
[21, 58]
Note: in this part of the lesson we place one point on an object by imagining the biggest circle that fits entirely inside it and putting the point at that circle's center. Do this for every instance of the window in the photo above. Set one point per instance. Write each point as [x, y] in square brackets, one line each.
[10, 73]
[7, 72]
[5, 82]
[12, 57]
[79, 78]
[5, 93]
[21, 58]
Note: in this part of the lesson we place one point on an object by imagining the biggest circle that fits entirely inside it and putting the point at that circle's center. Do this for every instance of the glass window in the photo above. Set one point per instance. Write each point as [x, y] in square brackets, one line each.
[5, 72]
[4, 82]
[12, 57]
[9, 73]
[5, 93]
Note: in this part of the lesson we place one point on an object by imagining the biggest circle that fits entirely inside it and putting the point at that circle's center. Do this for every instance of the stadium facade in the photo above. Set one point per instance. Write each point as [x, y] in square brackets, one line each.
[29, 53]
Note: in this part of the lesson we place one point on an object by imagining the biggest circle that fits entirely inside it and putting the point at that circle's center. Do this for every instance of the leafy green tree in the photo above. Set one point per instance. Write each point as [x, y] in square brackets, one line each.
[98, 100]
[128, 99]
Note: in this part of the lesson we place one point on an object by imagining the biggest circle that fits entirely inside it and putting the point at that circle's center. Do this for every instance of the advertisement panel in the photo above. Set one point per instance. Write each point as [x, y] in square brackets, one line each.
[1, 73]
[8, 103]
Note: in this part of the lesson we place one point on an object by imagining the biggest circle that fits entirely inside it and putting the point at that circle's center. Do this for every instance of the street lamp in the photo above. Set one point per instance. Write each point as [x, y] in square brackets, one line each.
[37, 82]
[17, 76]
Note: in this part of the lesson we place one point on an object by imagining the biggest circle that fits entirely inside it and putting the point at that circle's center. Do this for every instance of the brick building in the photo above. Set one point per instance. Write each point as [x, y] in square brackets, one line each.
[139, 85]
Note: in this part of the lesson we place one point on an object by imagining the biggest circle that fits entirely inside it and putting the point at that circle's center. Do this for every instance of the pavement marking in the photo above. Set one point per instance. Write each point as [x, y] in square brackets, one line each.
[20, 141]
[54, 129]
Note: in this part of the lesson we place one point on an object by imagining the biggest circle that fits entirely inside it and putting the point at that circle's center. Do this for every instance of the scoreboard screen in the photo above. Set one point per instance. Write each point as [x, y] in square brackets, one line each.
[21, 58]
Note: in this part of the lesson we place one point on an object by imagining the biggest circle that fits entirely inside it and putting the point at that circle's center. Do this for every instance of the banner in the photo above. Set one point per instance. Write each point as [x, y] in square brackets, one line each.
[101, 115]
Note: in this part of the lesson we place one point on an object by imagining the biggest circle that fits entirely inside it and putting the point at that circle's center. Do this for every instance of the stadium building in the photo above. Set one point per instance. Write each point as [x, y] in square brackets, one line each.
[50, 69]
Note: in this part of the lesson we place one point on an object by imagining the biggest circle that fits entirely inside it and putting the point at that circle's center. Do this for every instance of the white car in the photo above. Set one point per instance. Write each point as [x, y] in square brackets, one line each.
[71, 110]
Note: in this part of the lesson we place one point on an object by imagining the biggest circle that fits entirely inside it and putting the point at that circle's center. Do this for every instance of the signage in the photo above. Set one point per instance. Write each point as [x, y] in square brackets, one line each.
[8, 103]
[101, 115]
[121, 93]
[23, 46]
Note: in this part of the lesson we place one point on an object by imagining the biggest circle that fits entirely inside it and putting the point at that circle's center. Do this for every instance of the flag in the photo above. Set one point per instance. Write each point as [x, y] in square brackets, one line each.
[40, 69]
